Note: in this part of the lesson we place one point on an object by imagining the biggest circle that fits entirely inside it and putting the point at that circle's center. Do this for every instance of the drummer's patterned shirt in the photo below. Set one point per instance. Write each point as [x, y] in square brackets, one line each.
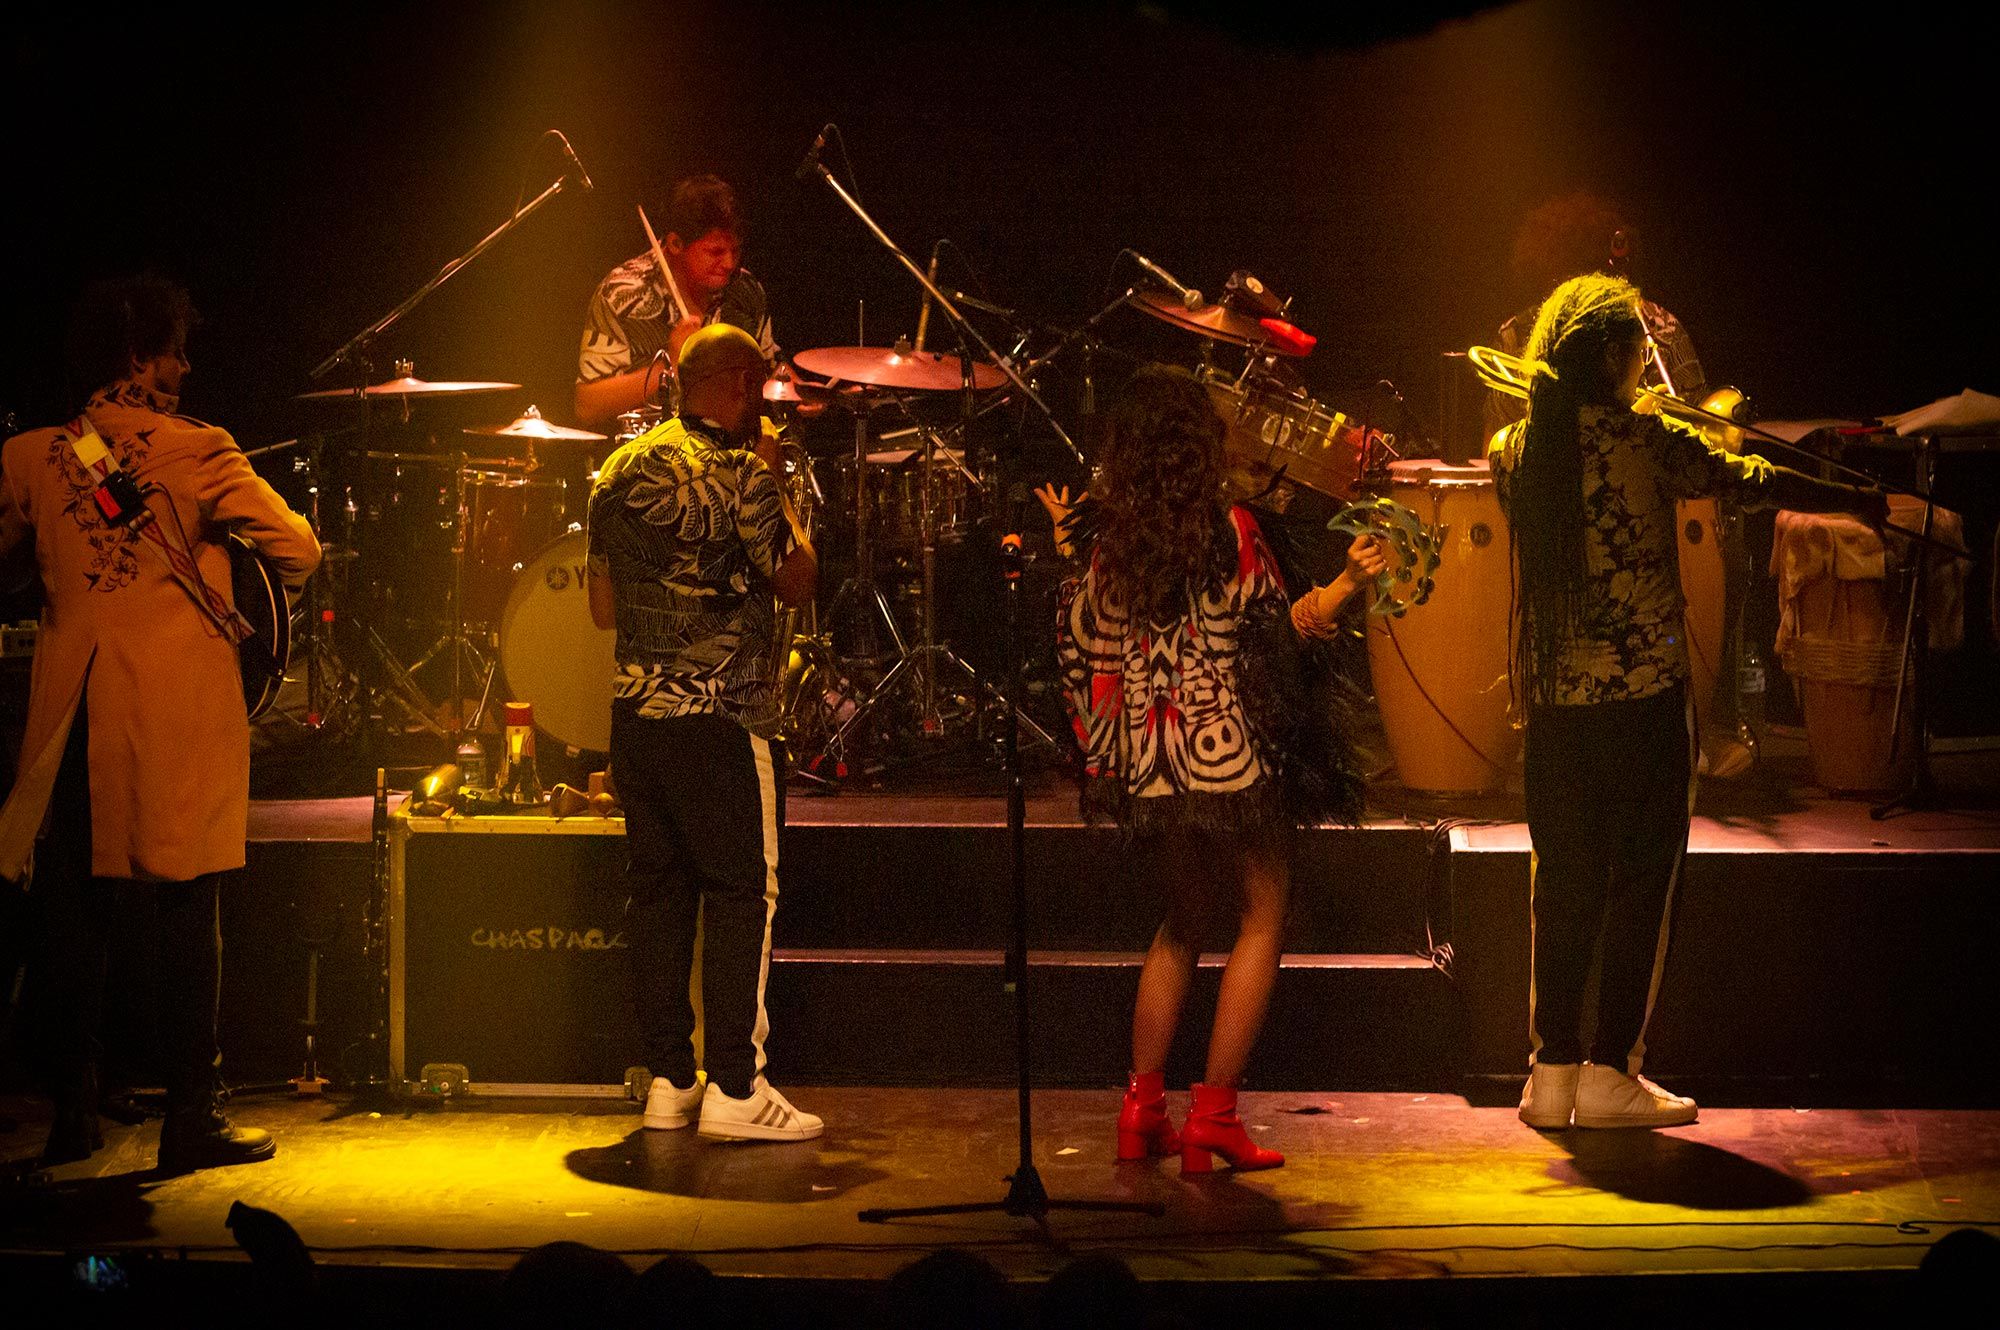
[631, 317]
[690, 532]
[1635, 469]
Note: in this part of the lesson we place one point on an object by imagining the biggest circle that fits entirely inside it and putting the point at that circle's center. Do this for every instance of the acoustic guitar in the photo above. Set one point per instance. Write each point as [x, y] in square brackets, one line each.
[260, 599]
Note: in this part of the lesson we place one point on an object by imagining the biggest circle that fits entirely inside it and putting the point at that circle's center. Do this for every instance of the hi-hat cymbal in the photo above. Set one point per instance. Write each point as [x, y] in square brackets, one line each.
[1218, 322]
[886, 367]
[410, 386]
[530, 425]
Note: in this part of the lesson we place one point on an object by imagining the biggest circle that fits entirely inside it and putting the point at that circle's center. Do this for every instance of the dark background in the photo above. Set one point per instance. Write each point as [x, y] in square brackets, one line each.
[1812, 192]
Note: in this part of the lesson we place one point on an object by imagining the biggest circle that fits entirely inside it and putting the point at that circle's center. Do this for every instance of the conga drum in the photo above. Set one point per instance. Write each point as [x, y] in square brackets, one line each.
[1703, 584]
[1840, 637]
[1440, 671]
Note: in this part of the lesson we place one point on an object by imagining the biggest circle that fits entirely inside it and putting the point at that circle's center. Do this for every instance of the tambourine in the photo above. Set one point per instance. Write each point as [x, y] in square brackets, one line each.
[1409, 581]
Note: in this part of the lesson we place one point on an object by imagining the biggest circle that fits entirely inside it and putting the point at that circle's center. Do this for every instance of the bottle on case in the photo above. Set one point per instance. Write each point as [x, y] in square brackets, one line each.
[520, 782]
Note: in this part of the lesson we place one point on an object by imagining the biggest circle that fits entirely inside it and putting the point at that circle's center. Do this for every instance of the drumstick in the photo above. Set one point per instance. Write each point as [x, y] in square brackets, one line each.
[660, 257]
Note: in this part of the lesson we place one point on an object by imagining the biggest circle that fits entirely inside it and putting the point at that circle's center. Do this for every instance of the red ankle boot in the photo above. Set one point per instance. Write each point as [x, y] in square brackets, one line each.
[1214, 1129]
[1143, 1129]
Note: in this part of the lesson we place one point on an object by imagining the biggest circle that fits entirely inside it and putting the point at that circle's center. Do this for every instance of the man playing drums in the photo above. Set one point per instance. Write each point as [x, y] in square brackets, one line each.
[637, 321]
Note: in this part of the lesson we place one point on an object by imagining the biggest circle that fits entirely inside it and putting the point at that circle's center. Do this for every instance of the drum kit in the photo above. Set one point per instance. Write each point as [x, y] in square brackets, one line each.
[456, 575]
[427, 552]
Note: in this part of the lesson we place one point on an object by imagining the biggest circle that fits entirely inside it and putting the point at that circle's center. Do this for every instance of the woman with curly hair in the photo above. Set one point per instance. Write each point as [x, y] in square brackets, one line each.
[1183, 671]
[1589, 487]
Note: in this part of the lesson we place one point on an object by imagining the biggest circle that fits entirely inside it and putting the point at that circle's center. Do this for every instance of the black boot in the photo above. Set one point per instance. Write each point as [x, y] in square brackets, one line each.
[201, 1137]
[75, 1134]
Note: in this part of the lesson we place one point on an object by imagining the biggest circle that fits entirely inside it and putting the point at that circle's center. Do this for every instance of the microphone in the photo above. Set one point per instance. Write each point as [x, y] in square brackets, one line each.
[575, 162]
[811, 163]
[924, 316]
[1189, 296]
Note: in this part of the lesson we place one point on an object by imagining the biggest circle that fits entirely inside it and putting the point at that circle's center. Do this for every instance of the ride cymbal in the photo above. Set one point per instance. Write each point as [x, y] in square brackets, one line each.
[886, 367]
[409, 385]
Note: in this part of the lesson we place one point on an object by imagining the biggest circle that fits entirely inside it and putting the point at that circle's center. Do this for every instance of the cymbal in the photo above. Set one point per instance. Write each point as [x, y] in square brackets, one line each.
[1218, 322]
[791, 390]
[530, 425]
[885, 367]
[410, 386]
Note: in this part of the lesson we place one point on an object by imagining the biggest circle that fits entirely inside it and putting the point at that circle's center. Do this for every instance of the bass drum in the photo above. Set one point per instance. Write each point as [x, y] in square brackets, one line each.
[550, 651]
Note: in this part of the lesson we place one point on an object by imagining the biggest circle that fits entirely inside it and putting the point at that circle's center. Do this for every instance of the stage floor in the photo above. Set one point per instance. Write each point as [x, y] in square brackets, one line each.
[1378, 1187]
[1773, 811]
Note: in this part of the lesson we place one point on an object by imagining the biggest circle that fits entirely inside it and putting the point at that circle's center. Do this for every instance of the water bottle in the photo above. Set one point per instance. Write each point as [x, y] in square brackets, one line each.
[1750, 681]
[471, 759]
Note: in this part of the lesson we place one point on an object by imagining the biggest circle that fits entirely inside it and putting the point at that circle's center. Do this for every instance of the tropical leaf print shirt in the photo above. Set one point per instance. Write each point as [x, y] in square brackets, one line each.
[1635, 469]
[1156, 705]
[690, 532]
[632, 316]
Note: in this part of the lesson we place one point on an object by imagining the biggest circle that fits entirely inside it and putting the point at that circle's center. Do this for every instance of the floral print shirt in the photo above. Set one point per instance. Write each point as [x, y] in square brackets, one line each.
[690, 532]
[1636, 468]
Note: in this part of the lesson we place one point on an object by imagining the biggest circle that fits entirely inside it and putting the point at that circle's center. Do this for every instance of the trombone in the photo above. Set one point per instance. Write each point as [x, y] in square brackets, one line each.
[1715, 418]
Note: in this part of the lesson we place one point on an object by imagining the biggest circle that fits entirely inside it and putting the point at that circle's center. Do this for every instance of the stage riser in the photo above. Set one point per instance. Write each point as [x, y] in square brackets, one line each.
[1354, 891]
[1800, 970]
[1836, 968]
[926, 1023]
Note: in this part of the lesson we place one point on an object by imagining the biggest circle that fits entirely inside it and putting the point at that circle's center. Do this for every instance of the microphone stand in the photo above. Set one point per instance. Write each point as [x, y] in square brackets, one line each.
[1027, 1197]
[965, 328]
[1913, 671]
[354, 354]
[356, 345]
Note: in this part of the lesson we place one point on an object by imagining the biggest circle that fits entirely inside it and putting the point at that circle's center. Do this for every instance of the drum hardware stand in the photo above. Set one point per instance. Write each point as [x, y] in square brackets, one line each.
[1913, 672]
[456, 641]
[860, 589]
[930, 655]
[328, 680]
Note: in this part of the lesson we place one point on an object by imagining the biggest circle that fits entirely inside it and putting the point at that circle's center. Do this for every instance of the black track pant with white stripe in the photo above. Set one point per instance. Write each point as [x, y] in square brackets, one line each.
[1610, 793]
[703, 804]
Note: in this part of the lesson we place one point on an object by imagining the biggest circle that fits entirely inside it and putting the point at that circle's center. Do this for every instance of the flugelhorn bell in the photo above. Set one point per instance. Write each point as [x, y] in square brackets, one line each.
[1499, 371]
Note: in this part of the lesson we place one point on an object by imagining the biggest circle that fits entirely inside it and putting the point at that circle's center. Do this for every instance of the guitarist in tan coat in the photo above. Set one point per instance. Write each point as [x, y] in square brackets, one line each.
[136, 760]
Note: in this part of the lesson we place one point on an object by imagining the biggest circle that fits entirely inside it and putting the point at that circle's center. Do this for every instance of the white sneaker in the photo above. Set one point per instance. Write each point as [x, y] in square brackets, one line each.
[1550, 1095]
[765, 1116]
[668, 1106]
[1609, 1098]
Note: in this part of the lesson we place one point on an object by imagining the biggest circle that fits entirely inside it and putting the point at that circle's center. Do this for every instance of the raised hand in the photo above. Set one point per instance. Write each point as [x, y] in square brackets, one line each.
[1367, 559]
[1058, 504]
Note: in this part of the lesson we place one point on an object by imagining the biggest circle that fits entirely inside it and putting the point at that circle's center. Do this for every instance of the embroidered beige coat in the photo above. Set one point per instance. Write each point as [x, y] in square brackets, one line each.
[169, 740]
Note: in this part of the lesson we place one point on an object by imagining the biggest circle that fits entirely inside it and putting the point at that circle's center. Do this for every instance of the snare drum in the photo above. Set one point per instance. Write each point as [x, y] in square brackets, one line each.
[552, 654]
[1440, 671]
[899, 497]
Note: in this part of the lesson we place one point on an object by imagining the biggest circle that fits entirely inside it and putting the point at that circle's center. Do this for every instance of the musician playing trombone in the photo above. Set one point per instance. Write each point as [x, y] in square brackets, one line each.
[1589, 487]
